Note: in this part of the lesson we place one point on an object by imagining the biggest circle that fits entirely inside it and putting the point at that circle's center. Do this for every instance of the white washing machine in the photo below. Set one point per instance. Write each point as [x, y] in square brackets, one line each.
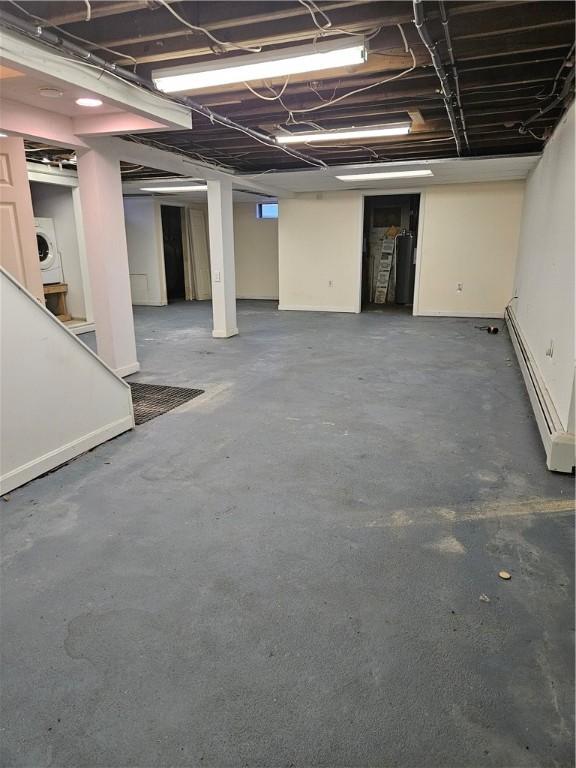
[48, 253]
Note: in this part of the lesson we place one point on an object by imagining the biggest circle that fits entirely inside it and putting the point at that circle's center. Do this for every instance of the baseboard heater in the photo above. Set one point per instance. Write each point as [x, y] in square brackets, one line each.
[558, 444]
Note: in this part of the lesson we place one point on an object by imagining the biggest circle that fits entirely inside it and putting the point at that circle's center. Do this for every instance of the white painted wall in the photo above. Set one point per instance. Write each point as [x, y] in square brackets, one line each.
[256, 254]
[58, 399]
[468, 235]
[544, 281]
[55, 202]
[319, 244]
[145, 251]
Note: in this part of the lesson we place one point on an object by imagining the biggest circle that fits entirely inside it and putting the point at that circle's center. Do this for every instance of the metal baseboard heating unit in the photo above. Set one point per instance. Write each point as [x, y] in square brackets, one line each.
[558, 444]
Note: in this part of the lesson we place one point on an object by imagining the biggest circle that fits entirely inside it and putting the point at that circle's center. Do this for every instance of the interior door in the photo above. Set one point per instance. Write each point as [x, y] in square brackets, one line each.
[200, 254]
[18, 251]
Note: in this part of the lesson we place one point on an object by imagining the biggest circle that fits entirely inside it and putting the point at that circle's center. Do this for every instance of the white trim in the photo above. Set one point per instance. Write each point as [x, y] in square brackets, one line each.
[35, 57]
[419, 244]
[558, 443]
[59, 456]
[81, 327]
[62, 177]
[258, 298]
[126, 370]
[456, 313]
[224, 334]
[149, 303]
[303, 308]
[82, 255]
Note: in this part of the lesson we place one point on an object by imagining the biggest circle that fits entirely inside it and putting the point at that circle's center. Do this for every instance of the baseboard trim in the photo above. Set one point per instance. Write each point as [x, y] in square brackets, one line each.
[257, 298]
[448, 313]
[81, 328]
[224, 334]
[559, 445]
[126, 370]
[17, 477]
[304, 308]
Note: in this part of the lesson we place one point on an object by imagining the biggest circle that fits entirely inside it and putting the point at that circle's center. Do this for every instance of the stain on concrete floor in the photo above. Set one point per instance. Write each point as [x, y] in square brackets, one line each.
[288, 570]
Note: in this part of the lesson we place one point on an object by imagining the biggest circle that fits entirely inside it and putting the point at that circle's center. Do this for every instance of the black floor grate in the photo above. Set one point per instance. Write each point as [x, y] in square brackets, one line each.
[151, 400]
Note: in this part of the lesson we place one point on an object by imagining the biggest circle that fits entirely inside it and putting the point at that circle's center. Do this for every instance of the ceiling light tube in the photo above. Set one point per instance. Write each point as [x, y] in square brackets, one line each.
[189, 188]
[344, 134]
[261, 66]
[385, 175]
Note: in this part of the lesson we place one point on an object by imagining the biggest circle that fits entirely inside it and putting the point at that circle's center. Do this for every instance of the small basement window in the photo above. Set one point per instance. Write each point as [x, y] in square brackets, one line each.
[267, 211]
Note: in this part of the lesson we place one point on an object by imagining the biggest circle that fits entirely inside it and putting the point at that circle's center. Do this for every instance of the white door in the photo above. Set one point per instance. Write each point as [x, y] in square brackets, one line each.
[18, 251]
[200, 254]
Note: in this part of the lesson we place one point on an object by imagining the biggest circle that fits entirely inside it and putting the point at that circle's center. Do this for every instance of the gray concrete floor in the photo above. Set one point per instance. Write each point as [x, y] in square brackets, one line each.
[287, 571]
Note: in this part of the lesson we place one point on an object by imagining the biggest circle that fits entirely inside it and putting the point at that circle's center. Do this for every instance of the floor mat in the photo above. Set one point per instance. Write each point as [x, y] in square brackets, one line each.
[151, 400]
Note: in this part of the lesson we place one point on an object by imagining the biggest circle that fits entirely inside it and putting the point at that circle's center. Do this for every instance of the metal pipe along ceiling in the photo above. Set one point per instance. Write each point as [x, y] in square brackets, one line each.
[444, 20]
[439, 67]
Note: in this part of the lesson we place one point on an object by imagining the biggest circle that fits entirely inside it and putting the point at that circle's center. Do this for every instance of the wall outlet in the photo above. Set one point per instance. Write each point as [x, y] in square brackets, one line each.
[217, 276]
[459, 287]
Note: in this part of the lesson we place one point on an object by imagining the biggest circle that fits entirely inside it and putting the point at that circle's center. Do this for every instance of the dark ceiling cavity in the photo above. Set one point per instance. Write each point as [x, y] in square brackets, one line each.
[474, 78]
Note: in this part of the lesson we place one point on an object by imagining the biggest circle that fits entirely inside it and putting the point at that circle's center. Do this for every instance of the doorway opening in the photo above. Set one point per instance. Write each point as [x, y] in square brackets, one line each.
[389, 251]
[173, 253]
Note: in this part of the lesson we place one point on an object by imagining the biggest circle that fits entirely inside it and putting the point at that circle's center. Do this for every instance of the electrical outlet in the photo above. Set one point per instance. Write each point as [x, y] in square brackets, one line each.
[217, 276]
[459, 287]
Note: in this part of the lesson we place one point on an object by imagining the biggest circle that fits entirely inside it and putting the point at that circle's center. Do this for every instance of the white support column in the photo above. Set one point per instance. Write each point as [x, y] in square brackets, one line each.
[220, 225]
[107, 256]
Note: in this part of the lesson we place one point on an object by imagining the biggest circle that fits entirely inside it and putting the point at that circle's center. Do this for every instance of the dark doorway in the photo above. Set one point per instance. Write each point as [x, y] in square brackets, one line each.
[389, 250]
[173, 252]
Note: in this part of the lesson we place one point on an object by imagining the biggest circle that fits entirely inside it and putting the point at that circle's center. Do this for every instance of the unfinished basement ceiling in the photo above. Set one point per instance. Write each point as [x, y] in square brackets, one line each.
[512, 59]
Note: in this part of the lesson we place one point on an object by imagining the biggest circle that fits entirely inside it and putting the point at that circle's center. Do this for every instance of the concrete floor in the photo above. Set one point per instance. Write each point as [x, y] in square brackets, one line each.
[287, 571]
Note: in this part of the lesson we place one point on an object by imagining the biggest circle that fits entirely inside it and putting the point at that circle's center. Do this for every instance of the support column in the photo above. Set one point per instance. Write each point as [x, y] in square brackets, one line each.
[107, 256]
[221, 228]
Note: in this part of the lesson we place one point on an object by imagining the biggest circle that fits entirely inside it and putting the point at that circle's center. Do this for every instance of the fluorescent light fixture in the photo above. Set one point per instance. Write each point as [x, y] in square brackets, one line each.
[344, 134]
[385, 175]
[188, 188]
[87, 102]
[261, 66]
[3, 135]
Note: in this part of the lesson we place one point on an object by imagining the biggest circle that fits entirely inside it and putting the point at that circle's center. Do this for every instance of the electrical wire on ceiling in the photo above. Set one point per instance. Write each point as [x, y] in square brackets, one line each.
[313, 9]
[338, 99]
[221, 43]
[81, 56]
[291, 120]
[564, 64]
[46, 23]
[276, 96]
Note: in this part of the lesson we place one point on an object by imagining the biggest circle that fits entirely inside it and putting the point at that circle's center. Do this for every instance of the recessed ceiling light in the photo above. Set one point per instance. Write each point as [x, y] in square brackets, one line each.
[88, 102]
[344, 134]
[51, 93]
[385, 175]
[261, 66]
[189, 188]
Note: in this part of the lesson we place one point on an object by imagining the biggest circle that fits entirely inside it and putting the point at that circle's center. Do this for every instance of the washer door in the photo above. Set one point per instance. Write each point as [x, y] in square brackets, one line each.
[46, 254]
